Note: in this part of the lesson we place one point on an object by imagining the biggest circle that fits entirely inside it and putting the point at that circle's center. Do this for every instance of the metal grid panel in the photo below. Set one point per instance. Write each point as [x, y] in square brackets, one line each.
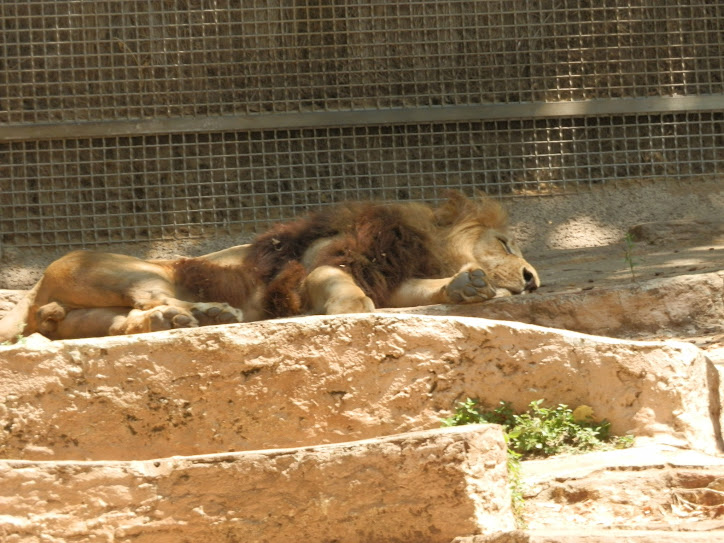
[68, 61]
[85, 192]
[127, 59]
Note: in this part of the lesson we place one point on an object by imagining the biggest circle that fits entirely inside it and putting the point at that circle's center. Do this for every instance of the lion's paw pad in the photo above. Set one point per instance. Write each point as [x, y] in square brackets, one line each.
[168, 317]
[209, 313]
[470, 286]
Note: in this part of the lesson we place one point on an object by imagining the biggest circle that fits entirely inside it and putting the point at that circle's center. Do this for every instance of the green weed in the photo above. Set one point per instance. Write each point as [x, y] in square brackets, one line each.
[543, 431]
[539, 432]
[628, 254]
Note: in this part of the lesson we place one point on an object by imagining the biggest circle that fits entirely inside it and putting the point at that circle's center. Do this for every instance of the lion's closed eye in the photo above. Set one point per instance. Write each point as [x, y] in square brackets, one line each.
[505, 245]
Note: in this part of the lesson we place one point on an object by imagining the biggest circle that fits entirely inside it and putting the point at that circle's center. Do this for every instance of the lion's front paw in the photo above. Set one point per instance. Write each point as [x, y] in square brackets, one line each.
[470, 286]
[168, 317]
[216, 313]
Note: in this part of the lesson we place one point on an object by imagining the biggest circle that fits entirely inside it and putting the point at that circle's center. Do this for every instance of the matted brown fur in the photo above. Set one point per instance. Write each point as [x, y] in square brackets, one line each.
[284, 296]
[212, 282]
[286, 242]
[381, 250]
[375, 243]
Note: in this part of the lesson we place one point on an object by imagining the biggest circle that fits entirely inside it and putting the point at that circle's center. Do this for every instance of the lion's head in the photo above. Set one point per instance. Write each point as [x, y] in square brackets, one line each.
[477, 231]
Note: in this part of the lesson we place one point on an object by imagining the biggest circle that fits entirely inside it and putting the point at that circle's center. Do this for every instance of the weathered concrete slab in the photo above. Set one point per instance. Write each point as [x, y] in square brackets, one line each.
[687, 304]
[646, 494]
[654, 488]
[424, 486]
[330, 379]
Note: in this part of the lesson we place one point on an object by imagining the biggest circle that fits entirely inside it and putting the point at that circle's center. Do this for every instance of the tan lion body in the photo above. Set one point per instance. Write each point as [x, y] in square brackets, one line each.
[352, 258]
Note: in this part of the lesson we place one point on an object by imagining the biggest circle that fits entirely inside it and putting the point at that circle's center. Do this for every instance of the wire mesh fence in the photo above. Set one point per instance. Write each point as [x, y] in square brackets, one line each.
[162, 187]
[69, 64]
[73, 61]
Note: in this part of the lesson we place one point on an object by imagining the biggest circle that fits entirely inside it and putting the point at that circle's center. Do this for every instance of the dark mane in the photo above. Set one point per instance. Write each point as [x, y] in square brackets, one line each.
[283, 297]
[381, 250]
[286, 242]
[379, 245]
[372, 242]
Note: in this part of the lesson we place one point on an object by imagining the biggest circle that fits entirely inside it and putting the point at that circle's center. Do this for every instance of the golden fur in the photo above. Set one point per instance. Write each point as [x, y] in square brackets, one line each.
[349, 258]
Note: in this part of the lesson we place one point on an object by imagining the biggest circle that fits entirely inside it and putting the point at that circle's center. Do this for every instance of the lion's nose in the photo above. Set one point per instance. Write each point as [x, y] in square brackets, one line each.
[531, 283]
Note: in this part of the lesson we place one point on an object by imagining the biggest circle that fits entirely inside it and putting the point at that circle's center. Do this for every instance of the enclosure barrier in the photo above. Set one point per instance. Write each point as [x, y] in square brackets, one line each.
[137, 120]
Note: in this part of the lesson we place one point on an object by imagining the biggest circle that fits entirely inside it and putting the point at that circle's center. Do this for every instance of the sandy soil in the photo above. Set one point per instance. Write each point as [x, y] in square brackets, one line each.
[576, 241]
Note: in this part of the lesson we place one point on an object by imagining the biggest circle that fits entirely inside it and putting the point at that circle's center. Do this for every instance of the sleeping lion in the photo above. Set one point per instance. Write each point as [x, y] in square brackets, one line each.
[349, 258]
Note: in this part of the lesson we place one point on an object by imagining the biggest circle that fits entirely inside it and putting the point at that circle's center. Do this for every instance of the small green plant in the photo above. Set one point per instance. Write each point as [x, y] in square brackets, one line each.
[515, 483]
[628, 254]
[540, 431]
[543, 431]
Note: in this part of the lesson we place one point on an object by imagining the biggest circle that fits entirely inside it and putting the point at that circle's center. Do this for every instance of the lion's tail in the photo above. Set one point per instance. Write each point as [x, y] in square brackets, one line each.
[14, 323]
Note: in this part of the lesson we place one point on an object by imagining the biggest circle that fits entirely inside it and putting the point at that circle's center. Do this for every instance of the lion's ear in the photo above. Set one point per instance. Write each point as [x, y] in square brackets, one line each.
[456, 206]
[490, 213]
[483, 211]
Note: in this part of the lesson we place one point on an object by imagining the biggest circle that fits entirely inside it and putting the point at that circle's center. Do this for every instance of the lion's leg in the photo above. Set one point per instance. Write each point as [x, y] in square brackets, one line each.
[330, 290]
[47, 318]
[154, 292]
[168, 317]
[57, 322]
[162, 317]
[151, 295]
[470, 284]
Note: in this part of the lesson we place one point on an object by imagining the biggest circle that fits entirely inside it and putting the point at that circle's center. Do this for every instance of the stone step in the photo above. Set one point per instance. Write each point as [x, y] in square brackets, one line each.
[287, 383]
[78, 413]
[634, 492]
[685, 305]
[422, 486]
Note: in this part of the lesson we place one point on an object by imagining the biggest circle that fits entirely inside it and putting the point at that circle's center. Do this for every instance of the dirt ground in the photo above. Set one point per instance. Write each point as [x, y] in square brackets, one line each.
[576, 241]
